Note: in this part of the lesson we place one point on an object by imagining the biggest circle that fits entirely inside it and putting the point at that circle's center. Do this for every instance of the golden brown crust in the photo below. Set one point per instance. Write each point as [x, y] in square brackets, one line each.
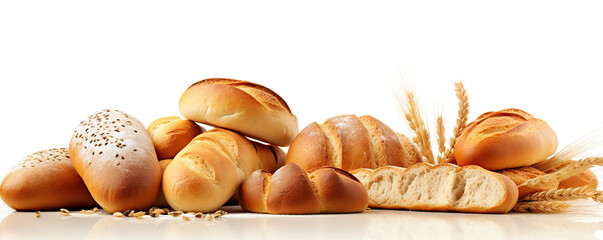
[45, 180]
[349, 142]
[586, 178]
[160, 201]
[291, 190]
[522, 174]
[245, 107]
[172, 134]
[508, 138]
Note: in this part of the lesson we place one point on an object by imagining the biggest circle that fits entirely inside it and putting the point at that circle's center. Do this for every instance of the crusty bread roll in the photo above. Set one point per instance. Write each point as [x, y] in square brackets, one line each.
[293, 191]
[160, 200]
[586, 178]
[45, 180]
[349, 142]
[210, 169]
[522, 174]
[114, 155]
[172, 134]
[509, 138]
[443, 187]
[245, 107]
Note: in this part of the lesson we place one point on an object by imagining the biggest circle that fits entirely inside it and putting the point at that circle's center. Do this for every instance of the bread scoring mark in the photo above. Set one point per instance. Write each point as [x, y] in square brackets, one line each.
[376, 142]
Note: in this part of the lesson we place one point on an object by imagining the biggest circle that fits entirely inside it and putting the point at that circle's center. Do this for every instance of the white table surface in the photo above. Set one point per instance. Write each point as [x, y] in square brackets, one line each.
[579, 223]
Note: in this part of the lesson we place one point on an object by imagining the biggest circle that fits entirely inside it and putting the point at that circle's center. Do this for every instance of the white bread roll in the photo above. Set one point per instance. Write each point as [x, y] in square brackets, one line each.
[172, 134]
[45, 180]
[114, 155]
[210, 169]
[443, 187]
[291, 190]
[349, 142]
[245, 107]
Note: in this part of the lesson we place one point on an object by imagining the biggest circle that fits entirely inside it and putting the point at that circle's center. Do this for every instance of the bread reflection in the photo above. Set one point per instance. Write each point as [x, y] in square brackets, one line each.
[24, 225]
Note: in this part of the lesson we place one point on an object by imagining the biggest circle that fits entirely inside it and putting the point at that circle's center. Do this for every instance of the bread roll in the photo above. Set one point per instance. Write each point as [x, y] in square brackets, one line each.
[293, 191]
[443, 187]
[349, 142]
[45, 180]
[114, 155]
[172, 134]
[586, 178]
[509, 138]
[210, 169]
[522, 174]
[160, 200]
[245, 107]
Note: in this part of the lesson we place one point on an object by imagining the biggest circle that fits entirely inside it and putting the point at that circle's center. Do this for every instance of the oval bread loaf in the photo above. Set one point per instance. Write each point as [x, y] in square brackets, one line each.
[245, 107]
[210, 169]
[349, 142]
[522, 174]
[172, 134]
[443, 187]
[45, 180]
[586, 178]
[509, 138]
[291, 190]
[114, 155]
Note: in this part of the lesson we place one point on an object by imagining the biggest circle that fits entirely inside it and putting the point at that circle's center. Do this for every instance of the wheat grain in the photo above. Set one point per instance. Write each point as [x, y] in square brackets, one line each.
[462, 116]
[598, 196]
[563, 173]
[561, 194]
[540, 206]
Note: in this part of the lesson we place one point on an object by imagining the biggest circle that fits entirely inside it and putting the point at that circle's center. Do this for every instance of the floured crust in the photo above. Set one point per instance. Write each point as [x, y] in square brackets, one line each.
[245, 107]
[172, 134]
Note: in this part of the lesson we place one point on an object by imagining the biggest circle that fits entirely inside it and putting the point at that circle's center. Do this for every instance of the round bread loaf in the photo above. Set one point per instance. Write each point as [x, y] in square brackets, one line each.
[509, 138]
[114, 155]
[349, 142]
[522, 174]
[586, 178]
[291, 190]
[45, 180]
[172, 134]
[210, 169]
[160, 200]
[245, 107]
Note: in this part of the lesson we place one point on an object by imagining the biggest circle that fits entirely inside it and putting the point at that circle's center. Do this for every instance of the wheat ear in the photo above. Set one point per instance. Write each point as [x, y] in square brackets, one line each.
[598, 196]
[441, 140]
[561, 194]
[585, 143]
[541, 206]
[462, 116]
[415, 122]
[563, 173]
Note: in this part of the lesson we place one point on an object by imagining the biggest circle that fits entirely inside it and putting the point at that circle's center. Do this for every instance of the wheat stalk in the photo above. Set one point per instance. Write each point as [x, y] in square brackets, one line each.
[563, 173]
[462, 116]
[561, 194]
[415, 122]
[541, 206]
[441, 139]
[583, 144]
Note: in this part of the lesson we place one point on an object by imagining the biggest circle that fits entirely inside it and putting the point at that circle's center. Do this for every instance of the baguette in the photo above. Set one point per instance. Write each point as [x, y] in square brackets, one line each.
[291, 190]
[172, 134]
[443, 187]
[114, 155]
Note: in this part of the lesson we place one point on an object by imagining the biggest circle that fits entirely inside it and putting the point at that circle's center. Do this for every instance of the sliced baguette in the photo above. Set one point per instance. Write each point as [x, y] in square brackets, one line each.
[443, 187]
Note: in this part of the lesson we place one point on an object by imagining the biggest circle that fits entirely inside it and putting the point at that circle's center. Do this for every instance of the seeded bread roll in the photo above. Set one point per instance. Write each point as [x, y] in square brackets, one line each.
[45, 180]
[114, 155]
[210, 169]
[349, 142]
[160, 200]
[586, 178]
[522, 174]
[509, 138]
[172, 134]
[291, 190]
[245, 107]
[443, 187]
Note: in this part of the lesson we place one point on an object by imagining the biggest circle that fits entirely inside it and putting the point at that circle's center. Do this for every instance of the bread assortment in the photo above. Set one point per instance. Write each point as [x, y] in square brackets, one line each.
[245, 107]
[349, 142]
[172, 134]
[114, 155]
[291, 190]
[45, 180]
[443, 187]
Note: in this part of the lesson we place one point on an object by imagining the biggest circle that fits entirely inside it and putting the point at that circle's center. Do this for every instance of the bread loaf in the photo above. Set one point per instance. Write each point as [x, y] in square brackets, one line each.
[586, 178]
[172, 134]
[45, 180]
[210, 169]
[509, 138]
[349, 142]
[245, 107]
[160, 200]
[522, 174]
[443, 187]
[293, 191]
[114, 155]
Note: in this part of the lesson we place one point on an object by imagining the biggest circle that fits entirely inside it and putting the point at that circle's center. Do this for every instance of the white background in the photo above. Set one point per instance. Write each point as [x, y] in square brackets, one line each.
[62, 60]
